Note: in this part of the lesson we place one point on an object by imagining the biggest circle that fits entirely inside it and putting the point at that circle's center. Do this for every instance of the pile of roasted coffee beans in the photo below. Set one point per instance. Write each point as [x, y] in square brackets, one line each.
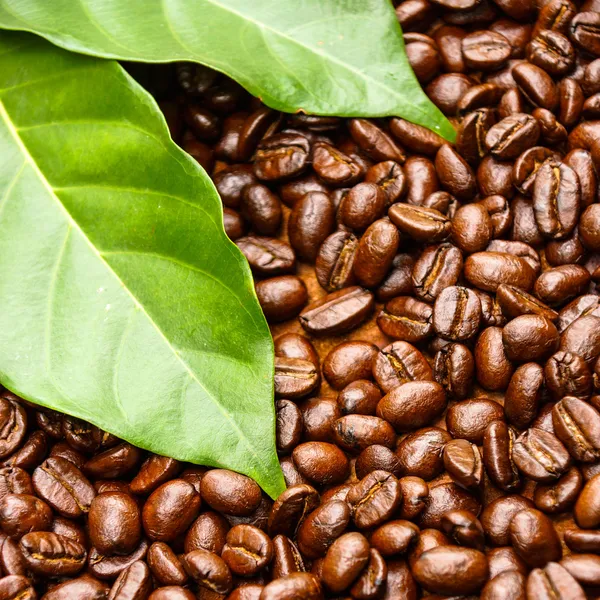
[436, 317]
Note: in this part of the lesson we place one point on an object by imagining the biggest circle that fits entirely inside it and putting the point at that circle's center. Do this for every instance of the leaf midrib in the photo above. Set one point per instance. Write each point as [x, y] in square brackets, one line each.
[29, 159]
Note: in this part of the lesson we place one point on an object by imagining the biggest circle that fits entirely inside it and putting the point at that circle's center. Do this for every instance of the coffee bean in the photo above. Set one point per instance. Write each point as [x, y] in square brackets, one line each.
[416, 138]
[164, 565]
[289, 426]
[587, 507]
[512, 136]
[498, 515]
[464, 528]
[312, 219]
[488, 270]
[375, 252]
[363, 205]
[571, 102]
[420, 453]
[389, 176]
[456, 313]
[556, 15]
[444, 497]
[267, 256]
[344, 561]
[509, 585]
[14, 480]
[337, 312]
[398, 281]
[208, 570]
[536, 85]
[493, 368]
[577, 425]
[406, 319]
[281, 156]
[52, 555]
[227, 492]
[463, 463]
[454, 368]
[420, 223]
[582, 337]
[358, 432]
[451, 570]
[524, 394]
[16, 586]
[374, 141]
[113, 463]
[498, 442]
[334, 167]
[321, 462]
[436, 269]
[207, 532]
[515, 302]
[412, 405]
[579, 540]
[374, 499]
[534, 538]
[540, 456]
[585, 32]
[281, 298]
[560, 284]
[421, 179]
[454, 173]
[559, 497]
[290, 587]
[322, 527]
[348, 362]
[23, 513]
[394, 537]
[335, 261]
[428, 539]
[247, 550]
[13, 425]
[553, 582]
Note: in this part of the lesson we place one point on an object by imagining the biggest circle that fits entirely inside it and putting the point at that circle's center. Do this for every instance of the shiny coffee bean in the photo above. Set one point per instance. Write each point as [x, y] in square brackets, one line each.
[295, 377]
[498, 442]
[560, 496]
[534, 538]
[463, 463]
[540, 455]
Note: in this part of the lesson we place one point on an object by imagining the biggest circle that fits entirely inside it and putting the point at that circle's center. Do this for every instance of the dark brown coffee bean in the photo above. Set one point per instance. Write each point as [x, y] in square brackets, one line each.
[22, 513]
[536, 85]
[49, 554]
[372, 140]
[485, 50]
[498, 515]
[31, 453]
[498, 443]
[83, 587]
[207, 532]
[337, 312]
[359, 397]
[416, 138]
[540, 456]
[364, 204]
[16, 587]
[571, 102]
[14, 480]
[444, 497]
[472, 228]
[463, 463]
[428, 539]
[553, 581]
[423, 56]
[335, 261]
[389, 176]
[488, 270]
[583, 338]
[464, 528]
[377, 458]
[293, 587]
[286, 557]
[493, 368]
[231, 182]
[262, 209]
[394, 537]
[527, 167]
[579, 540]
[164, 565]
[281, 156]
[421, 179]
[587, 507]
[534, 538]
[437, 268]
[372, 580]
[294, 345]
[412, 405]
[349, 361]
[504, 559]
[290, 508]
[420, 223]
[420, 453]
[228, 492]
[454, 368]
[281, 298]
[113, 463]
[322, 527]
[312, 219]
[495, 177]
[524, 394]
[374, 499]
[357, 432]
[589, 226]
[398, 281]
[509, 585]
[469, 419]
[515, 302]
[556, 15]
[530, 337]
[406, 319]
[334, 167]
[174, 592]
[321, 462]
[512, 136]
[208, 570]
[13, 425]
[560, 496]
[585, 568]
[247, 550]
[267, 256]
[295, 377]
[456, 313]
[552, 52]
[577, 426]
[344, 561]
[376, 251]
[154, 471]
[451, 570]
[585, 32]
[289, 426]
[454, 173]
[560, 284]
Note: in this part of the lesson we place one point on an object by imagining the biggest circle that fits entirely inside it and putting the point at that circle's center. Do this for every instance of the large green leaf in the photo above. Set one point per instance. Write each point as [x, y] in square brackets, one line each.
[329, 57]
[121, 299]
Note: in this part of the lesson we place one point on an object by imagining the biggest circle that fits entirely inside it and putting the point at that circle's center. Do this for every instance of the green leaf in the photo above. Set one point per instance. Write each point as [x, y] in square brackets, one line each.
[327, 57]
[122, 300]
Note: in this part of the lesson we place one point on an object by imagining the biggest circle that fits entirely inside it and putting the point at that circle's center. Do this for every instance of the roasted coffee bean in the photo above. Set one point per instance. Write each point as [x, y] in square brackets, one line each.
[515, 302]
[154, 471]
[552, 52]
[553, 581]
[338, 312]
[423, 56]
[292, 587]
[464, 528]
[113, 463]
[571, 102]
[286, 557]
[344, 561]
[540, 456]
[262, 209]
[14, 480]
[421, 179]
[524, 394]
[134, 582]
[23, 513]
[207, 532]
[281, 156]
[491, 314]
[472, 228]
[247, 550]
[509, 585]
[281, 298]
[444, 497]
[208, 570]
[312, 219]
[412, 405]
[348, 362]
[470, 139]
[493, 368]
[318, 418]
[587, 507]
[504, 559]
[322, 527]
[13, 425]
[335, 261]
[289, 425]
[394, 537]
[164, 565]
[457, 313]
[530, 337]
[295, 377]
[375, 253]
[400, 363]
[585, 32]
[454, 368]
[334, 167]
[534, 538]
[290, 508]
[363, 205]
[498, 442]
[171, 592]
[463, 463]
[495, 176]
[389, 176]
[358, 432]
[584, 541]
[82, 587]
[231, 182]
[372, 140]
[321, 462]
[420, 223]
[528, 165]
[560, 496]
[420, 453]
[398, 281]
[225, 491]
[49, 554]
[437, 268]
[16, 587]
[512, 136]
[536, 85]
[359, 397]
[451, 570]
[583, 338]
[469, 419]
[556, 15]
[428, 539]
[294, 345]
[485, 50]
[416, 138]
[589, 226]
[560, 284]
[487, 270]
[405, 318]
[267, 256]
[498, 515]
[377, 458]
[374, 499]
[577, 425]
